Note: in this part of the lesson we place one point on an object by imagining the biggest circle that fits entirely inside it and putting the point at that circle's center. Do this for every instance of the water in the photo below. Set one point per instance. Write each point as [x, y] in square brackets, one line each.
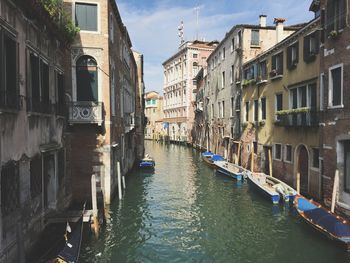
[187, 213]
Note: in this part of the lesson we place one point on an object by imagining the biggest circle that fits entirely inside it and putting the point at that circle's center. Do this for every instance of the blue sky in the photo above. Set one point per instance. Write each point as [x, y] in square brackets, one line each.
[152, 24]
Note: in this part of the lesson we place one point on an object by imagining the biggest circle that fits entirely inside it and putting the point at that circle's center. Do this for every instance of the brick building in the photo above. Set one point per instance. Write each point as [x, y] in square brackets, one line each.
[33, 179]
[102, 99]
[335, 97]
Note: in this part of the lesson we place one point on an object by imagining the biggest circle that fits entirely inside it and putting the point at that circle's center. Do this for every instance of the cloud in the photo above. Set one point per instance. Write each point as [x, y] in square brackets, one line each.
[152, 25]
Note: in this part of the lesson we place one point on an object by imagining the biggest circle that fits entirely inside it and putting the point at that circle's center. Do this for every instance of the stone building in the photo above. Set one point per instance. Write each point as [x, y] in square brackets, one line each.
[140, 106]
[179, 72]
[223, 83]
[34, 180]
[335, 100]
[102, 99]
[280, 110]
[154, 114]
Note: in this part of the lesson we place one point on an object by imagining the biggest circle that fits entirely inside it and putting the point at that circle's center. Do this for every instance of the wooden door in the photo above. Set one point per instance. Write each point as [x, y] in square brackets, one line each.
[303, 169]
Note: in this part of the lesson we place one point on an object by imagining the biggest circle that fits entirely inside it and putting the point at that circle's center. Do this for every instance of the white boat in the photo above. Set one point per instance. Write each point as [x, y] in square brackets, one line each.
[272, 187]
[230, 169]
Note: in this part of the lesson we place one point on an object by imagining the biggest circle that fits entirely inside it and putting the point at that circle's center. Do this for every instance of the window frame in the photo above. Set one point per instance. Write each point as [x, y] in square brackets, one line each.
[274, 152]
[255, 42]
[330, 86]
[285, 153]
[313, 158]
[98, 24]
[291, 49]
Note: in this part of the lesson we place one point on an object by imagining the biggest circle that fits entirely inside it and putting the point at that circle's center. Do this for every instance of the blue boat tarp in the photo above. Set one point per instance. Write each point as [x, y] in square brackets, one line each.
[217, 157]
[146, 164]
[207, 153]
[324, 219]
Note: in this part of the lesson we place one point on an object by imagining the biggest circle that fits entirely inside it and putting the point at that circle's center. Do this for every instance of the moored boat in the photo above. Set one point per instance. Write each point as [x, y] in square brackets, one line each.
[211, 159]
[259, 181]
[230, 169]
[147, 162]
[323, 220]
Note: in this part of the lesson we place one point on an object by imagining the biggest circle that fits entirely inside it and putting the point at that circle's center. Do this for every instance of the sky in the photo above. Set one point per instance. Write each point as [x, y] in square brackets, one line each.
[153, 24]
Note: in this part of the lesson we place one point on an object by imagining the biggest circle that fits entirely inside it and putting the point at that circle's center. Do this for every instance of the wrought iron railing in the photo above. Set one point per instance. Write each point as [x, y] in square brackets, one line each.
[86, 112]
[298, 119]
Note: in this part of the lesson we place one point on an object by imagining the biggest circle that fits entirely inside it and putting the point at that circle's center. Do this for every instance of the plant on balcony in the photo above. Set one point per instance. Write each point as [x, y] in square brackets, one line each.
[61, 18]
[291, 111]
[247, 82]
[273, 73]
[333, 34]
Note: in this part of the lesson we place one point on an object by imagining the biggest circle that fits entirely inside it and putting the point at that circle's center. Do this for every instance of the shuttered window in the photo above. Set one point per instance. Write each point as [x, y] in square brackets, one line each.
[86, 16]
[263, 108]
[311, 47]
[336, 86]
[35, 176]
[292, 56]
[336, 15]
[10, 200]
[255, 38]
[277, 64]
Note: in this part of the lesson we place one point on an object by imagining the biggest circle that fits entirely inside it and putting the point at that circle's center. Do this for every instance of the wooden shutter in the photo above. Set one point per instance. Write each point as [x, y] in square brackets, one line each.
[280, 58]
[330, 16]
[342, 14]
[289, 57]
[306, 48]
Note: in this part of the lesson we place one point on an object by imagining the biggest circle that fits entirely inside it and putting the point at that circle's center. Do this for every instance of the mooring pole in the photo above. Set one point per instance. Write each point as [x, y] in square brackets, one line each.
[94, 205]
[119, 181]
[335, 187]
[270, 162]
[298, 182]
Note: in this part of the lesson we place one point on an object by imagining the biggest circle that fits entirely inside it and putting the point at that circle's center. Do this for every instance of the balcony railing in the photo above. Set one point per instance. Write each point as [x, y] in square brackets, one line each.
[85, 112]
[298, 119]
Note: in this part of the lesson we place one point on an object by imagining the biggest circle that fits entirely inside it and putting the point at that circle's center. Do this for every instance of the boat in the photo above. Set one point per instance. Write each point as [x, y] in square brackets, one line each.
[211, 159]
[262, 184]
[230, 169]
[207, 154]
[147, 162]
[323, 220]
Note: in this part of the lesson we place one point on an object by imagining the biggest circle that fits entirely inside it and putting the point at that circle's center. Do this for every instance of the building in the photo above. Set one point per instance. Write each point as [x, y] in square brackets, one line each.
[223, 82]
[179, 72]
[280, 110]
[34, 180]
[140, 106]
[102, 99]
[154, 114]
[335, 100]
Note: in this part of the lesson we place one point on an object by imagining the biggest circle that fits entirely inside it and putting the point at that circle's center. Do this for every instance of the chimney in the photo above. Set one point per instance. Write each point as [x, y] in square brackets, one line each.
[262, 20]
[279, 28]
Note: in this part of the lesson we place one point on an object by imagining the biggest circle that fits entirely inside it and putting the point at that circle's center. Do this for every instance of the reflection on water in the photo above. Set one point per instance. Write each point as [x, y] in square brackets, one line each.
[185, 212]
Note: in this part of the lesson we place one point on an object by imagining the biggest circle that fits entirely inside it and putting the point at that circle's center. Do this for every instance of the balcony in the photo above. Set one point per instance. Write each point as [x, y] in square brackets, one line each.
[85, 112]
[293, 118]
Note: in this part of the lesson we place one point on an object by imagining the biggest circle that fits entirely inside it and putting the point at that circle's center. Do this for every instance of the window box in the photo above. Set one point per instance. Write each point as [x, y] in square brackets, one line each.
[333, 34]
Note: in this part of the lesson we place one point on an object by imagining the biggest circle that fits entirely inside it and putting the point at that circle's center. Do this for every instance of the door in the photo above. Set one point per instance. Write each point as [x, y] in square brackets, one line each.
[303, 169]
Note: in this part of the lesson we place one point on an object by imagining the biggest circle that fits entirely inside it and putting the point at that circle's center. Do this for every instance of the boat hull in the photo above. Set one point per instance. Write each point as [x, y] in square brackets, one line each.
[274, 197]
[230, 170]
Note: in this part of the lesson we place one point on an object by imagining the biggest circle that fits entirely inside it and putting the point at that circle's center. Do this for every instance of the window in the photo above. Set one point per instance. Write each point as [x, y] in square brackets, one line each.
[256, 110]
[239, 40]
[336, 15]
[212, 111]
[315, 158]
[262, 71]
[195, 55]
[255, 38]
[263, 108]
[232, 106]
[219, 109]
[60, 101]
[336, 86]
[277, 65]
[223, 53]
[288, 153]
[111, 27]
[86, 16]
[223, 109]
[232, 74]
[87, 79]
[35, 176]
[8, 73]
[223, 79]
[10, 196]
[279, 104]
[278, 151]
[195, 68]
[232, 44]
[247, 111]
[292, 55]
[347, 166]
[311, 47]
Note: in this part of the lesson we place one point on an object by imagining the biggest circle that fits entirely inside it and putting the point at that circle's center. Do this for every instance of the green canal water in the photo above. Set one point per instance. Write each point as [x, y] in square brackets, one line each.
[184, 212]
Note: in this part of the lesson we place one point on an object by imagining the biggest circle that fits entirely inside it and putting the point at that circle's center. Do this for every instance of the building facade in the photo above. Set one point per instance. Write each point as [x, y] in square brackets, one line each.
[280, 111]
[154, 114]
[34, 181]
[102, 99]
[335, 101]
[179, 72]
[223, 81]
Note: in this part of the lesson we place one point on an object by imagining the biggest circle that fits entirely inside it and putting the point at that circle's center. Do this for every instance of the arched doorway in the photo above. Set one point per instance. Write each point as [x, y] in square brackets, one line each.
[303, 169]
[87, 79]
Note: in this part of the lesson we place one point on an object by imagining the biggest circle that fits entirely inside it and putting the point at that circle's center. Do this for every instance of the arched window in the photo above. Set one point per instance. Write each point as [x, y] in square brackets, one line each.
[87, 79]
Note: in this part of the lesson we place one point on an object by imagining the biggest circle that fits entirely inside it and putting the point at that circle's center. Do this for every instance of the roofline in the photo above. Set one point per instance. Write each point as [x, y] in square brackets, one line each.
[119, 19]
[284, 41]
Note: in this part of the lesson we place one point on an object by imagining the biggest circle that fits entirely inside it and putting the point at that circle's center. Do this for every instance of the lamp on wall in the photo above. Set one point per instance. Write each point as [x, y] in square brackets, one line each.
[114, 144]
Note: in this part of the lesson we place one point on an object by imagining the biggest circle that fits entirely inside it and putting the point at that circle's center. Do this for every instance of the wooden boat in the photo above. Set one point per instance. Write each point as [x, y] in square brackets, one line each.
[209, 160]
[230, 169]
[323, 220]
[259, 180]
[147, 162]
[272, 185]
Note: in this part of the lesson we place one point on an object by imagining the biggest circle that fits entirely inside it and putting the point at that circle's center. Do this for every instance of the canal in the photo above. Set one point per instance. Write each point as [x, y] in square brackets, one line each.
[184, 212]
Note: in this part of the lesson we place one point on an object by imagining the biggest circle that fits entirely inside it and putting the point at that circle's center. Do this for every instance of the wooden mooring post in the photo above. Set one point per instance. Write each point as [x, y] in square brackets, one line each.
[270, 162]
[96, 226]
[298, 182]
[335, 190]
[252, 159]
[119, 181]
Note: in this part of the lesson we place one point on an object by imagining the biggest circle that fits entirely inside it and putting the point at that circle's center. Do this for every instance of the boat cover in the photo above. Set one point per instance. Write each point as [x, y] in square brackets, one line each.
[207, 153]
[324, 219]
[217, 157]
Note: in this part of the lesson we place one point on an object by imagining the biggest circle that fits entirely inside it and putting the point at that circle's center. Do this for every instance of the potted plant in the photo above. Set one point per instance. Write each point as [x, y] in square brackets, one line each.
[273, 73]
[333, 34]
